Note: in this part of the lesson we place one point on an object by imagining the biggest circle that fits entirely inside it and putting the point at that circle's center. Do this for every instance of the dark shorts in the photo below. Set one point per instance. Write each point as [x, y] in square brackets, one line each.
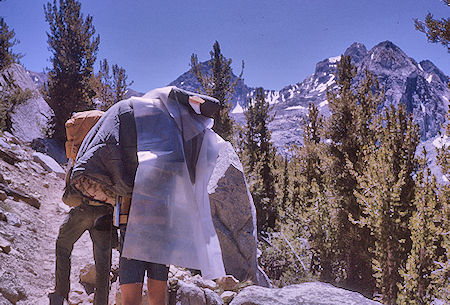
[133, 271]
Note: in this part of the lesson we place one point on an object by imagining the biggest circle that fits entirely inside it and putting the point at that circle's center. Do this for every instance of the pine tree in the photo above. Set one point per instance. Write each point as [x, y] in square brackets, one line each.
[10, 93]
[101, 82]
[7, 42]
[217, 83]
[421, 276]
[305, 165]
[260, 161]
[386, 191]
[442, 275]
[119, 85]
[353, 108]
[443, 157]
[296, 183]
[311, 155]
[324, 236]
[437, 31]
[74, 47]
[318, 209]
[110, 89]
[283, 189]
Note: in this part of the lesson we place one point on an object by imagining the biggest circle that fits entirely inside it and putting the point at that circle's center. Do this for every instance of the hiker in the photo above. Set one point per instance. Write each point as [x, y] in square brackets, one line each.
[87, 214]
[156, 153]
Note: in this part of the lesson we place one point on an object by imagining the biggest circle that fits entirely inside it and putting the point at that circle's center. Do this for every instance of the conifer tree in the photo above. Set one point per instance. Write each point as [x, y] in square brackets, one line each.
[260, 161]
[297, 183]
[437, 31]
[284, 184]
[217, 82]
[442, 275]
[101, 82]
[305, 167]
[7, 42]
[421, 280]
[311, 156]
[74, 46]
[324, 236]
[443, 157]
[10, 93]
[316, 204]
[352, 107]
[110, 89]
[120, 84]
[386, 191]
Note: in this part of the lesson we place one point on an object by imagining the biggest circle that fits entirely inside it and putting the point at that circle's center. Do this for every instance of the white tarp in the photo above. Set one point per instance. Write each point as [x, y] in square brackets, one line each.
[170, 218]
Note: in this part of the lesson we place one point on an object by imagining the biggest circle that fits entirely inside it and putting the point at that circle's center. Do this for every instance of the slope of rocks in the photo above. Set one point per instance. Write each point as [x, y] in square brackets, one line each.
[28, 231]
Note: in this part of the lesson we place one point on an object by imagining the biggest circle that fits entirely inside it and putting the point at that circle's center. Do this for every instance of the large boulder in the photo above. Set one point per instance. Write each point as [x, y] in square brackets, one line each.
[183, 293]
[314, 293]
[234, 217]
[31, 119]
[49, 164]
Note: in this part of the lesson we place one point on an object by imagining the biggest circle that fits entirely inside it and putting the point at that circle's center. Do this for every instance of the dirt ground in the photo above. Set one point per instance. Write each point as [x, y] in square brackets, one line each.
[27, 271]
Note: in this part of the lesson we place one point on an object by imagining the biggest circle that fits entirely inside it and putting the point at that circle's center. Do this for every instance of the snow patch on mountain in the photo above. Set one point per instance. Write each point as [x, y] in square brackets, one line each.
[323, 104]
[237, 109]
[323, 87]
[334, 59]
[441, 141]
[432, 145]
[297, 108]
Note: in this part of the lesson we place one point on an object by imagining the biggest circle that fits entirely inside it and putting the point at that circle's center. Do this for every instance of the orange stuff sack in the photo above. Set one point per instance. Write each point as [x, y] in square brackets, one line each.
[77, 128]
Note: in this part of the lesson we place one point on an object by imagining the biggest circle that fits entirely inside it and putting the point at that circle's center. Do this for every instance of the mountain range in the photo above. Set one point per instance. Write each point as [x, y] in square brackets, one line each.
[421, 86]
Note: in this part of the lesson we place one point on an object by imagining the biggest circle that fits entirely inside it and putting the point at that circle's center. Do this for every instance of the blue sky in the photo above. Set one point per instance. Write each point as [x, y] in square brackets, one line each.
[280, 41]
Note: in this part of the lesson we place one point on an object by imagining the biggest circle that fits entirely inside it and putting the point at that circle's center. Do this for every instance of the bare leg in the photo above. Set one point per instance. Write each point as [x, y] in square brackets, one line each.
[131, 294]
[156, 292]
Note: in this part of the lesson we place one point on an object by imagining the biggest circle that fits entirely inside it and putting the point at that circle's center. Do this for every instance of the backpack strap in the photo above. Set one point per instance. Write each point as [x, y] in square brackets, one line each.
[124, 209]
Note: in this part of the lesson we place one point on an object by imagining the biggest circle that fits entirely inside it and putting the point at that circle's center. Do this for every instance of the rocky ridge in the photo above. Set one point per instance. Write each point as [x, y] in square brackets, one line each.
[421, 86]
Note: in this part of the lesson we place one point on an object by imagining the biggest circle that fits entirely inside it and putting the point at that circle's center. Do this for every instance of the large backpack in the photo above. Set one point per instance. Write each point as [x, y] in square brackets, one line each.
[77, 128]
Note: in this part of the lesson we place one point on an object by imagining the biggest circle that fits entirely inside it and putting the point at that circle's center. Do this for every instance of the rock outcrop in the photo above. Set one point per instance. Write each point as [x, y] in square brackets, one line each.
[49, 164]
[234, 217]
[29, 120]
[314, 293]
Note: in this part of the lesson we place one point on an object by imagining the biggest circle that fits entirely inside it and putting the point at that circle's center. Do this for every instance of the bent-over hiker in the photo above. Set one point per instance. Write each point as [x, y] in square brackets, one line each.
[157, 153]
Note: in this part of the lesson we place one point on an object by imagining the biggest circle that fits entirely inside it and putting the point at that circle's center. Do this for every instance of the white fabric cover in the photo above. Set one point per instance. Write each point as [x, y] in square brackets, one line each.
[170, 218]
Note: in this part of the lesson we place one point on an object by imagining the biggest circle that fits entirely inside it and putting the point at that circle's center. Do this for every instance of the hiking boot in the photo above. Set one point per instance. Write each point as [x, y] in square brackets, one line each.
[56, 299]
